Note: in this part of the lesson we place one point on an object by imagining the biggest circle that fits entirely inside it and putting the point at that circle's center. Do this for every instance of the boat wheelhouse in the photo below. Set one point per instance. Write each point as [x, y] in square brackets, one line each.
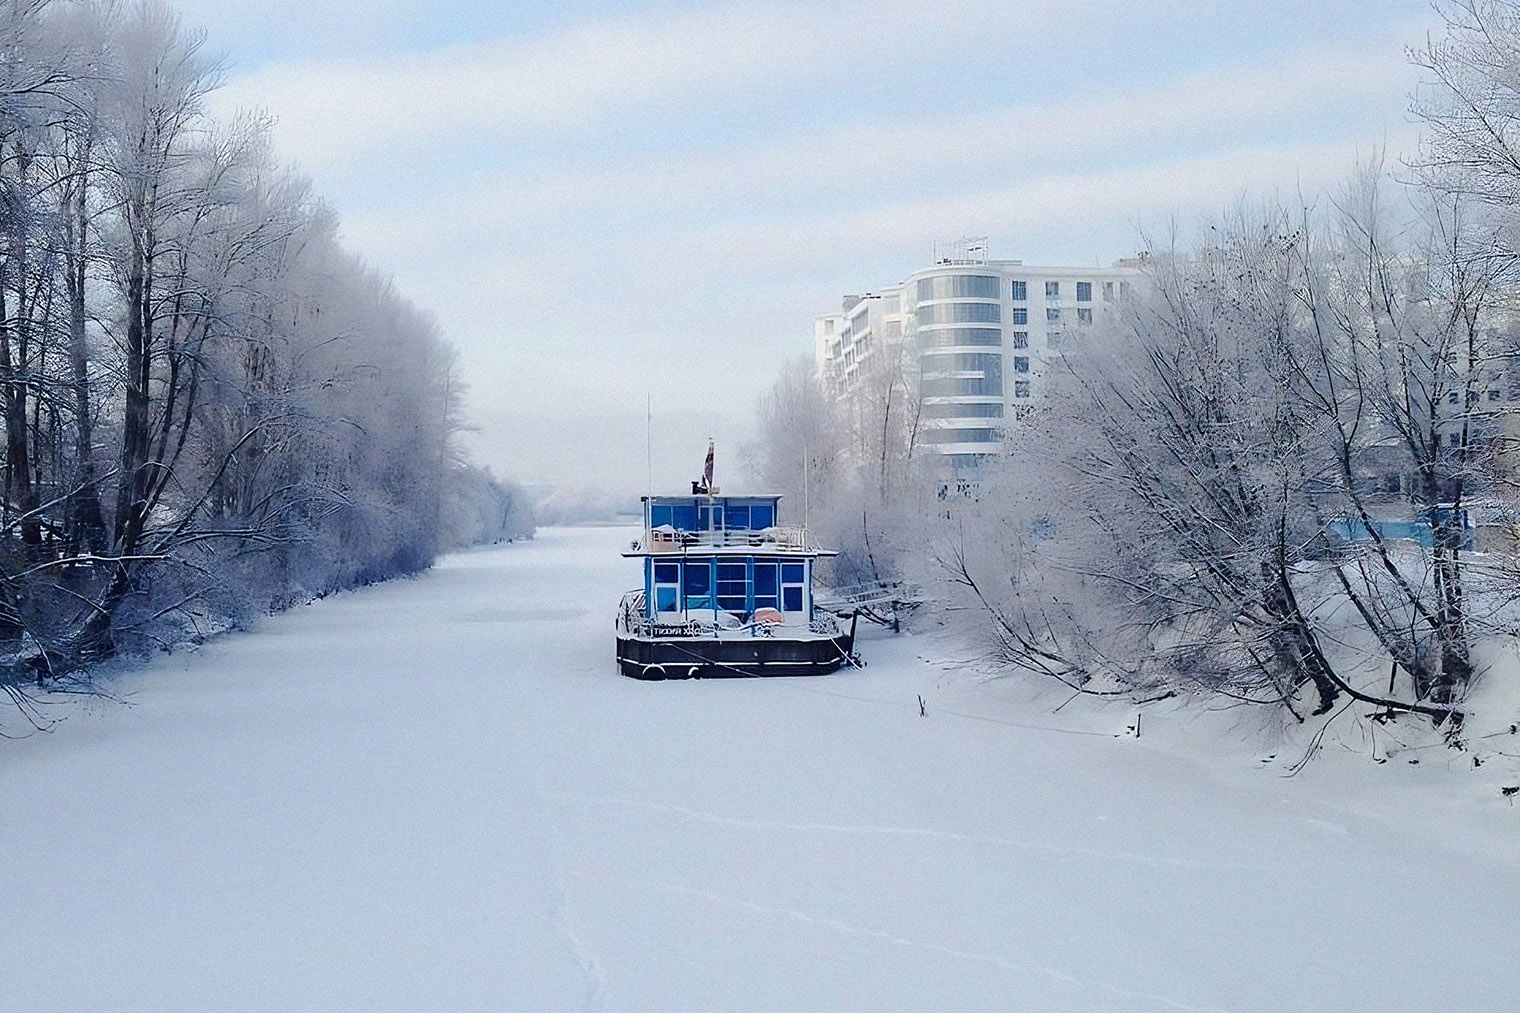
[727, 591]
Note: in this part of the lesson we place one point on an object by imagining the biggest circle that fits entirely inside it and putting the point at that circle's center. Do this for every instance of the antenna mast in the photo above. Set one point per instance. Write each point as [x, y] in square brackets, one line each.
[807, 466]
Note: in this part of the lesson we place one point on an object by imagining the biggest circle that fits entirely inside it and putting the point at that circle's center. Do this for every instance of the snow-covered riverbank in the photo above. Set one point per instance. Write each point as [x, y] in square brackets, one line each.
[437, 794]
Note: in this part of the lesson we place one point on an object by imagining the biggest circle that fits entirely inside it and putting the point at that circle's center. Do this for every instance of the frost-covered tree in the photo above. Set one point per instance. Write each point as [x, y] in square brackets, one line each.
[210, 408]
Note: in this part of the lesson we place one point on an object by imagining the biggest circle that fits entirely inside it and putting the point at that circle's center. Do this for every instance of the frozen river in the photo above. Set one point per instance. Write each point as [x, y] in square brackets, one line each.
[437, 794]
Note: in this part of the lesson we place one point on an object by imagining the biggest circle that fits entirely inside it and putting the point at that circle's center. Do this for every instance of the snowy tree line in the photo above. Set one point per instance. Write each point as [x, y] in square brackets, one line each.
[1202, 501]
[211, 409]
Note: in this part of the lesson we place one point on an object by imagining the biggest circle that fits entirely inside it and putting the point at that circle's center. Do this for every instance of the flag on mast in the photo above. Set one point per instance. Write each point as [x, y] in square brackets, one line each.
[707, 469]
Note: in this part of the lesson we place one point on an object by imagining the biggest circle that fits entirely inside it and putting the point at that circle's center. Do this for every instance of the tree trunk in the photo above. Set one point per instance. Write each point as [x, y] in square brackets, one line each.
[86, 520]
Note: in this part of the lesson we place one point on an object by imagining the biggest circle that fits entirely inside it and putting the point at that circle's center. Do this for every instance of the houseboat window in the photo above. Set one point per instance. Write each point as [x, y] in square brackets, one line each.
[733, 587]
[684, 517]
[765, 586]
[667, 587]
[710, 517]
[659, 516]
[698, 584]
[738, 517]
[792, 578]
[761, 516]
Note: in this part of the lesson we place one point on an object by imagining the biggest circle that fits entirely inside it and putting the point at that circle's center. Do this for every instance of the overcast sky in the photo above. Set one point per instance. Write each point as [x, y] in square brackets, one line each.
[600, 201]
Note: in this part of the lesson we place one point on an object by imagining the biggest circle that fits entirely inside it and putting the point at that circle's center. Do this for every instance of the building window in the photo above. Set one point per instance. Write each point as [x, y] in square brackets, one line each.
[959, 361]
[1084, 291]
[1053, 339]
[1108, 291]
[1053, 315]
[1020, 291]
[1020, 316]
[1084, 315]
[1493, 395]
[960, 313]
[1451, 398]
[1019, 339]
[984, 336]
[963, 411]
[933, 436]
[1123, 290]
[988, 384]
[1052, 290]
[1021, 363]
[958, 286]
[1021, 389]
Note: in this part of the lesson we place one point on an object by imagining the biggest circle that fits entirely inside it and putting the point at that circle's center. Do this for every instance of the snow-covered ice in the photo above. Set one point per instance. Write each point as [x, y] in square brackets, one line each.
[438, 794]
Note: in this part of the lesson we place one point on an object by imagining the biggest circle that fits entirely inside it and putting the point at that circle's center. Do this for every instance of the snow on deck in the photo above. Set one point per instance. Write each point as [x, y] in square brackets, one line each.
[438, 794]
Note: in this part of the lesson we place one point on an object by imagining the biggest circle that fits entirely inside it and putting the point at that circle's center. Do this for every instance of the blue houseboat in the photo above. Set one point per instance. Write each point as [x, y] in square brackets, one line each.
[727, 592]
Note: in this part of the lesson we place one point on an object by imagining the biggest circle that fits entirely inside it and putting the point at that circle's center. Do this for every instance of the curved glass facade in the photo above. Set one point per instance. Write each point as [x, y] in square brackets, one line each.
[957, 286]
[959, 313]
[980, 410]
[990, 383]
[988, 337]
[962, 436]
[960, 362]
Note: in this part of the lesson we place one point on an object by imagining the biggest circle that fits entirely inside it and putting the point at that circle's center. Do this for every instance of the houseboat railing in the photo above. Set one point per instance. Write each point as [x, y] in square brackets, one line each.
[670, 540]
[631, 620]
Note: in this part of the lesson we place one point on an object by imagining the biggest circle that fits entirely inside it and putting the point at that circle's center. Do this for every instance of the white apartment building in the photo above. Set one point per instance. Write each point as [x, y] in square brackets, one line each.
[982, 335]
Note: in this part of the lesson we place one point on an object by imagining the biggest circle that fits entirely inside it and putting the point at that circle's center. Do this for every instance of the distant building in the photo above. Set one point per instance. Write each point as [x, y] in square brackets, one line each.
[974, 336]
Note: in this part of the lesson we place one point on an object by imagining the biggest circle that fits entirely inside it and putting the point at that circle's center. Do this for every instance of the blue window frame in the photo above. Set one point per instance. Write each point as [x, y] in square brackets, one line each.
[667, 587]
[738, 517]
[766, 586]
[733, 586]
[793, 577]
[698, 584]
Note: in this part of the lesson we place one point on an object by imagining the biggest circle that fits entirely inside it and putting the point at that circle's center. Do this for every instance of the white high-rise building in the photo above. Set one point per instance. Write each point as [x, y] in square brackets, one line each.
[976, 336]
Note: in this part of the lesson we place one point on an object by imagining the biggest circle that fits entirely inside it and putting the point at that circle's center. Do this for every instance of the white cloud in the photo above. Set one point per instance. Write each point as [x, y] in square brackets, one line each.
[335, 113]
[944, 156]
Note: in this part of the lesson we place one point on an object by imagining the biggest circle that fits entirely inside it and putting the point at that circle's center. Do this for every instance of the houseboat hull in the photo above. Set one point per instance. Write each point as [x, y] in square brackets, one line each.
[722, 658]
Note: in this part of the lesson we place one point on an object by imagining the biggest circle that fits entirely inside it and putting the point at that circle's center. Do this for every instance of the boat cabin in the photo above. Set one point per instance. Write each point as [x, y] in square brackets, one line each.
[728, 554]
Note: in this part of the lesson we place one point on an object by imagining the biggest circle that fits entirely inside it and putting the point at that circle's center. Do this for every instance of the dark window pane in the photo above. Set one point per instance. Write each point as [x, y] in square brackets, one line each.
[765, 579]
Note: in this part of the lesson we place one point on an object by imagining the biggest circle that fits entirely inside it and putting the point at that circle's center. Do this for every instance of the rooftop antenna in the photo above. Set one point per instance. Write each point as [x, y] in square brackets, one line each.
[649, 440]
[807, 466]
